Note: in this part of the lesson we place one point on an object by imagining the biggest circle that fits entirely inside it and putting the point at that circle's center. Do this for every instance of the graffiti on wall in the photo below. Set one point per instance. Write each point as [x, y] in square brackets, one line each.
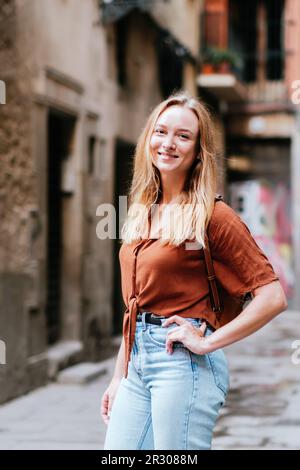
[265, 208]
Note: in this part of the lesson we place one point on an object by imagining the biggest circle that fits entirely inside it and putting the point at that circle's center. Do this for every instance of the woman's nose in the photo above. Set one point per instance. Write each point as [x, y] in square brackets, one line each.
[168, 143]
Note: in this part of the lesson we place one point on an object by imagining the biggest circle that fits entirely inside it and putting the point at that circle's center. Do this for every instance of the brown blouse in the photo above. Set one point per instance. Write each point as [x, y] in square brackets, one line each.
[169, 280]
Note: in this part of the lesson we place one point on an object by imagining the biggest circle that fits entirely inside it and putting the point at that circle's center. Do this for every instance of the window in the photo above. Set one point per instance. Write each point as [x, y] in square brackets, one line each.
[275, 41]
[91, 155]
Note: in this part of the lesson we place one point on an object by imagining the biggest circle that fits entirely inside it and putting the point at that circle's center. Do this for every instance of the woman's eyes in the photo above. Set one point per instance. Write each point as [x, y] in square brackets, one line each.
[161, 131]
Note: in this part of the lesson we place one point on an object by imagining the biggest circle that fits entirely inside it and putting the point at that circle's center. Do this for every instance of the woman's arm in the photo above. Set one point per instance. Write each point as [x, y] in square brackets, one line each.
[269, 300]
[240, 265]
[108, 396]
[120, 362]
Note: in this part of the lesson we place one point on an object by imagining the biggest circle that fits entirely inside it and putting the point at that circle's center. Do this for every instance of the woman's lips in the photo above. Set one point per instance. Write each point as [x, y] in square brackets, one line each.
[167, 155]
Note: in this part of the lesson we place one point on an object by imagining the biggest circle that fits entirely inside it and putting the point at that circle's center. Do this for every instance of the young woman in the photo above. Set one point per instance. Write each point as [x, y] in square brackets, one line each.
[171, 375]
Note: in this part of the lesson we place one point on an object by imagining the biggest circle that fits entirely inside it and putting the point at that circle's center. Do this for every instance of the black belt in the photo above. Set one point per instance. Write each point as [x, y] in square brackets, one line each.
[151, 318]
[158, 320]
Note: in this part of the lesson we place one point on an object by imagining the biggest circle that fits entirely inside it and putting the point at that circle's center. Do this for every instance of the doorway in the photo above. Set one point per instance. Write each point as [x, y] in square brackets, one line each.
[60, 137]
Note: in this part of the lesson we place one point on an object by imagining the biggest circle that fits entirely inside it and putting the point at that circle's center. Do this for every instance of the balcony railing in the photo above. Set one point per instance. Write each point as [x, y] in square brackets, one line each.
[270, 91]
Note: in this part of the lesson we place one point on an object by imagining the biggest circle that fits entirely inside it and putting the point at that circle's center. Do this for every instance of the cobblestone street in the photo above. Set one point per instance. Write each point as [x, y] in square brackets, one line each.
[262, 410]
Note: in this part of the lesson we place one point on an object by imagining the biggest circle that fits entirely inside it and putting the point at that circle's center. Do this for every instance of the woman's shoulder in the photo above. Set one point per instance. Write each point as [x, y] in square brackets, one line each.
[223, 214]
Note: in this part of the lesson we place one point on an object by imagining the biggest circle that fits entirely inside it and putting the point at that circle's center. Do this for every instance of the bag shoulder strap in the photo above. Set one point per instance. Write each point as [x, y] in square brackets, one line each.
[211, 275]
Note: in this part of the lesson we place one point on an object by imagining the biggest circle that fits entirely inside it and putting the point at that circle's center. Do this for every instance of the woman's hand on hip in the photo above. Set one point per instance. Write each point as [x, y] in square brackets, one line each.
[191, 337]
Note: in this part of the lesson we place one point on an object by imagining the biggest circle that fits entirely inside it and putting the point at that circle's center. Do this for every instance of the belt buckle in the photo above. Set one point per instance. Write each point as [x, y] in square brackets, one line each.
[140, 314]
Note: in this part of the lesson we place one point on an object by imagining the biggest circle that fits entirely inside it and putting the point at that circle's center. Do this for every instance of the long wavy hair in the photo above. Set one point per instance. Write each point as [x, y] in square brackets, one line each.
[195, 203]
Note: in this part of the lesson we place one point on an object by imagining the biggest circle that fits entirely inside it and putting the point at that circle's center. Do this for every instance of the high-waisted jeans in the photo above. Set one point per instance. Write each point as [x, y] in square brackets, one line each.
[167, 401]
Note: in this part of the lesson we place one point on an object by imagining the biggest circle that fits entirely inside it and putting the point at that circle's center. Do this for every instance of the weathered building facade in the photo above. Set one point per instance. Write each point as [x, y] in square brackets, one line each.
[80, 81]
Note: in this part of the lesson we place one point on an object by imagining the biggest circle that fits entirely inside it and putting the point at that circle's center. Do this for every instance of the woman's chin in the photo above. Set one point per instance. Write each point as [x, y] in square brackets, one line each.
[166, 166]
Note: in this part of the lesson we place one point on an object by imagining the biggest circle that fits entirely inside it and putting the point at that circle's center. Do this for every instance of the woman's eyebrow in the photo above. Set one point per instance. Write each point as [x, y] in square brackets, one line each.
[181, 129]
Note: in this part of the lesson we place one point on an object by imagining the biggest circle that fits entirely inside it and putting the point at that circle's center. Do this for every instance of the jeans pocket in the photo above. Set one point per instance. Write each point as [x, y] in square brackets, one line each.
[219, 368]
[156, 336]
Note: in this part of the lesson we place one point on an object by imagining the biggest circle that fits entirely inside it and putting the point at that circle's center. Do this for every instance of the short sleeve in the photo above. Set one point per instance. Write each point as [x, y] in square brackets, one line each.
[240, 264]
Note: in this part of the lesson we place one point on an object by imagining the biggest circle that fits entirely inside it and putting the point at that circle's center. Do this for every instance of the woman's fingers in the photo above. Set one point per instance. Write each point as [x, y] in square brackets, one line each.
[172, 336]
[105, 412]
[186, 335]
[202, 328]
[174, 319]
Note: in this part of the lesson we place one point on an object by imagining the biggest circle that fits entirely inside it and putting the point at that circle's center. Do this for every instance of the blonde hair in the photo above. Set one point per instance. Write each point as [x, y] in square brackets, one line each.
[196, 201]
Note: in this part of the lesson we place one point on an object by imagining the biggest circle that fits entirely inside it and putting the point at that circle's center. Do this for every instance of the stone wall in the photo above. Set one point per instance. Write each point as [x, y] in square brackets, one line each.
[17, 197]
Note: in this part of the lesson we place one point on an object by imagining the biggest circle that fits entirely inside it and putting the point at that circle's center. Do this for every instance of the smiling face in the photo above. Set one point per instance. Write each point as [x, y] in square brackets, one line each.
[174, 140]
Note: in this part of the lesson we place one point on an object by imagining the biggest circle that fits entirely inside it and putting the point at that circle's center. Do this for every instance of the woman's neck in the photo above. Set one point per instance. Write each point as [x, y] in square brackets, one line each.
[171, 189]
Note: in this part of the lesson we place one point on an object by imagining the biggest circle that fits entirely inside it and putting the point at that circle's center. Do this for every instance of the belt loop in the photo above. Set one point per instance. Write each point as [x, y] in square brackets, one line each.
[144, 326]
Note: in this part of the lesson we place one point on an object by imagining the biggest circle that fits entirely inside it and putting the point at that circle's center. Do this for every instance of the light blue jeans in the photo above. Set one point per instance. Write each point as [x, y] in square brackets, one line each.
[167, 401]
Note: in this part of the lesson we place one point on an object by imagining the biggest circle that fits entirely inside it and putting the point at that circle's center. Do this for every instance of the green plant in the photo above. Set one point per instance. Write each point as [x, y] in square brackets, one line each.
[215, 55]
[210, 55]
[232, 58]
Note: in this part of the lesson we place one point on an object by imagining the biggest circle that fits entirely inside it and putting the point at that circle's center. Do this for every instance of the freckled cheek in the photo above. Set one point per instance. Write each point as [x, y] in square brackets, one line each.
[188, 151]
[154, 143]
[184, 151]
[154, 146]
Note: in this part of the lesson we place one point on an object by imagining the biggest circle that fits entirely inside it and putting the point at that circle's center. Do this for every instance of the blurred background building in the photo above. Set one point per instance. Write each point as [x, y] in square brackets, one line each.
[81, 78]
[259, 41]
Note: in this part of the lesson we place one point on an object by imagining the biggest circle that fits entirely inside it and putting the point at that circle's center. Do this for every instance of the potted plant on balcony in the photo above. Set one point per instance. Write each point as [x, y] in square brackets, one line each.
[226, 60]
[210, 61]
[217, 60]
